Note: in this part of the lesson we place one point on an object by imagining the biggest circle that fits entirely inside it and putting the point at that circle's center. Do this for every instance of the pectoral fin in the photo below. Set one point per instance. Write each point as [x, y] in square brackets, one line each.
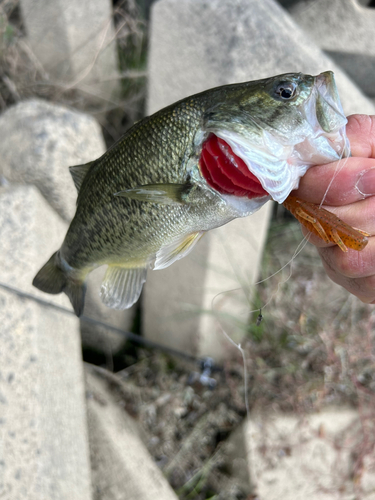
[122, 287]
[165, 194]
[176, 250]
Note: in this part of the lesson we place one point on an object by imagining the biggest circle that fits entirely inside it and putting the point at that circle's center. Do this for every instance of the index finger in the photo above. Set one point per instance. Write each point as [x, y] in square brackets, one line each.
[342, 177]
[335, 182]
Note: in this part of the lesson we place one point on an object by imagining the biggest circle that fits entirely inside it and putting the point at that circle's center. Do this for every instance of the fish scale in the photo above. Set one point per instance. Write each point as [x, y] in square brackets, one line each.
[146, 202]
[101, 184]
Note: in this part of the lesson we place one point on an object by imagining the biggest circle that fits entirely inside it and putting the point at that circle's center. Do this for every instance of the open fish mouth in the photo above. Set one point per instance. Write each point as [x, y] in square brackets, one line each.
[226, 172]
[327, 139]
[271, 162]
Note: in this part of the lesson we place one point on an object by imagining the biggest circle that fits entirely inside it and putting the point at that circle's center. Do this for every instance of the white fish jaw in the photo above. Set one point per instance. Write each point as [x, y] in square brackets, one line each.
[279, 161]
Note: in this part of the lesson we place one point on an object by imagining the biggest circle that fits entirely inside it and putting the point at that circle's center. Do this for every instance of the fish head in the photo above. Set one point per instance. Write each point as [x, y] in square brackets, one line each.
[279, 127]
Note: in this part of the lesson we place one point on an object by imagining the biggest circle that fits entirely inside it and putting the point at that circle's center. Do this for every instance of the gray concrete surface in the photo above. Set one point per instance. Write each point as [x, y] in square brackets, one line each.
[286, 456]
[224, 41]
[122, 468]
[75, 44]
[43, 430]
[344, 30]
[178, 308]
[228, 41]
[40, 141]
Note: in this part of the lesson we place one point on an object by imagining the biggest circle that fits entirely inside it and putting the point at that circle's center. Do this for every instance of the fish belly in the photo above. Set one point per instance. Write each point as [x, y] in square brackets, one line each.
[133, 237]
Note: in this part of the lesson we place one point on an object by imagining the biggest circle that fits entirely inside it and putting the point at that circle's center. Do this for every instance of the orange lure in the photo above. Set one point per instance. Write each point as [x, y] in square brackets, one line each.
[326, 225]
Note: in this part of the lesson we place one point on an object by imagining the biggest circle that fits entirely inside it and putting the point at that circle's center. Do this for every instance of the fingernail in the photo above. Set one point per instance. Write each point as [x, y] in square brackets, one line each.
[366, 182]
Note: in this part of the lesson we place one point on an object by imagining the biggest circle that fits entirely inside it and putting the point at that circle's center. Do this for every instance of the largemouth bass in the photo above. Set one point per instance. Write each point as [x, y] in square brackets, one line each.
[189, 168]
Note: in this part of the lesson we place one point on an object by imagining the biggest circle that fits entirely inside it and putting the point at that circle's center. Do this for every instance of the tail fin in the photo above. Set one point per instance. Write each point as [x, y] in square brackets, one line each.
[52, 279]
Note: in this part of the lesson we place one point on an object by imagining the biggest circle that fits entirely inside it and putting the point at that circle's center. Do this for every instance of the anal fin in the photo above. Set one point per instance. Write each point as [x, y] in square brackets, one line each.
[76, 291]
[176, 250]
[122, 286]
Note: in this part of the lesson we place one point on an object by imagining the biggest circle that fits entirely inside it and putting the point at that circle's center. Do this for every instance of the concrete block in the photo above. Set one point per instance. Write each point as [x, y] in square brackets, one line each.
[40, 141]
[122, 468]
[294, 458]
[228, 41]
[75, 43]
[225, 41]
[43, 430]
[343, 29]
[177, 302]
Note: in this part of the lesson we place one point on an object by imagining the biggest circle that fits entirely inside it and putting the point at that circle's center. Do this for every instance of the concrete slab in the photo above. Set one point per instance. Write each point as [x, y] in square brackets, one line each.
[75, 43]
[178, 308]
[43, 429]
[40, 141]
[286, 456]
[228, 41]
[224, 41]
[122, 468]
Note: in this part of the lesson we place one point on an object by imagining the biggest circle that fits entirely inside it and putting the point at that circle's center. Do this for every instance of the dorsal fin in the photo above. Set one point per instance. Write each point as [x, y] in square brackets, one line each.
[78, 172]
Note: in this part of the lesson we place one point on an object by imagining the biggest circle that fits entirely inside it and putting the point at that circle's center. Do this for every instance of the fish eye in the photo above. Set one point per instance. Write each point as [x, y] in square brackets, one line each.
[286, 90]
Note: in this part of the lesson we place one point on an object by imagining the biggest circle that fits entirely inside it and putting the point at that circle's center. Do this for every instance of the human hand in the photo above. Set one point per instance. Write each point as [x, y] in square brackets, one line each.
[351, 196]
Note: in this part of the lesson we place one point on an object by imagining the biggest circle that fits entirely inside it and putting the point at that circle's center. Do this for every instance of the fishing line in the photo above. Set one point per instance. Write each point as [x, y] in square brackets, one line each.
[238, 346]
[300, 247]
[340, 165]
[128, 335]
[297, 251]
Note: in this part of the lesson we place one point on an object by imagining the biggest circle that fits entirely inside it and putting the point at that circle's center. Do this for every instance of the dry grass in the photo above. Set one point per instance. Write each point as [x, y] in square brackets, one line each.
[22, 76]
[313, 328]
